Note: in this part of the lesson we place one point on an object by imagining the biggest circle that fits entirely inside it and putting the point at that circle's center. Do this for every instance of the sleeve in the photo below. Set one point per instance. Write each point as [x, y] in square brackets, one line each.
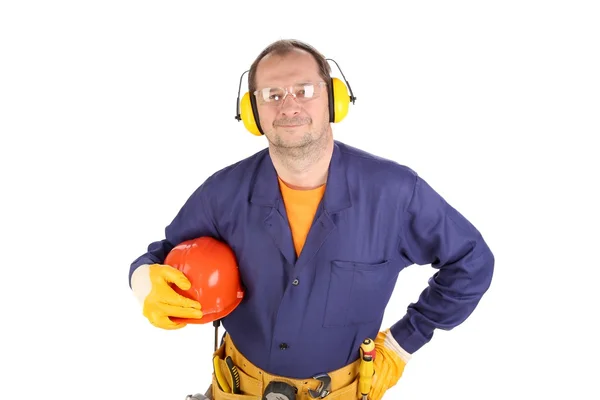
[435, 233]
[194, 219]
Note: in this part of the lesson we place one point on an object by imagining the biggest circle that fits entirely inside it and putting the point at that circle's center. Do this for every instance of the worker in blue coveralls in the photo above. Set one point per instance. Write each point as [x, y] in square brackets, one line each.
[321, 231]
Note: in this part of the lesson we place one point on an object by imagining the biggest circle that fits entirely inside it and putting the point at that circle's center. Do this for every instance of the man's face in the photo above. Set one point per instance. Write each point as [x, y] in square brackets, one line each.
[288, 121]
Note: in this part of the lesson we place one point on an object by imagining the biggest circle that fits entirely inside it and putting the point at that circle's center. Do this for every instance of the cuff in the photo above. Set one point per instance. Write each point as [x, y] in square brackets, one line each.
[140, 282]
[410, 338]
[393, 345]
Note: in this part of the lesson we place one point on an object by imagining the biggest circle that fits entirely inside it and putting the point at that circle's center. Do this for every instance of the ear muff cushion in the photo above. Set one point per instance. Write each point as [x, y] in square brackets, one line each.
[331, 101]
[341, 100]
[247, 115]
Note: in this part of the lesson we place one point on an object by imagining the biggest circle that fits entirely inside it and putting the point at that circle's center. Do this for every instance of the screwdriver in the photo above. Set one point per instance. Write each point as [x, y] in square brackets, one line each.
[366, 369]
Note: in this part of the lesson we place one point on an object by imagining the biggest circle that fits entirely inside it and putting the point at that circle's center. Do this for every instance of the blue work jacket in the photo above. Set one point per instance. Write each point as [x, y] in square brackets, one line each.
[308, 314]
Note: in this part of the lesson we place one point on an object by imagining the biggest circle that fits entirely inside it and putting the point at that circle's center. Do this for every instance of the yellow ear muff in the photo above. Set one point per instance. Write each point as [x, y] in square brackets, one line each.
[341, 100]
[247, 115]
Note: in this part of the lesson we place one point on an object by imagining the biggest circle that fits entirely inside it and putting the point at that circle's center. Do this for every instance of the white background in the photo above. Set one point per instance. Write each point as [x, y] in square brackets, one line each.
[113, 112]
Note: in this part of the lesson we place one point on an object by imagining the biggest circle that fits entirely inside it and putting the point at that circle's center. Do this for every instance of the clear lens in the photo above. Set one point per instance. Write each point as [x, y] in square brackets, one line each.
[301, 92]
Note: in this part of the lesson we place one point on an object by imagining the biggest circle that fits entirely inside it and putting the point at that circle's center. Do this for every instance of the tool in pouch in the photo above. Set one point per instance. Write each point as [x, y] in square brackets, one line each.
[278, 390]
[366, 369]
[233, 374]
[223, 380]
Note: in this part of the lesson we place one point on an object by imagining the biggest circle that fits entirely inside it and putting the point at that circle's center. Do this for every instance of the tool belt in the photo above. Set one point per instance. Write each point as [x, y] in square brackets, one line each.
[253, 381]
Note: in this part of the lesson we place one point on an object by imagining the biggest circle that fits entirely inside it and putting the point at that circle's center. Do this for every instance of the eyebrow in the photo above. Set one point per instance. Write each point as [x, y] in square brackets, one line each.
[301, 82]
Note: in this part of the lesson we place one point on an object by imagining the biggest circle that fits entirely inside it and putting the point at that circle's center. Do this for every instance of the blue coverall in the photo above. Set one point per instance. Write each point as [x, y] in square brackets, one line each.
[308, 315]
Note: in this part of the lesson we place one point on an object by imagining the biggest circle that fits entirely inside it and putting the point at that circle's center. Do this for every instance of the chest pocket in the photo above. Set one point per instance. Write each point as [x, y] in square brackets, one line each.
[358, 292]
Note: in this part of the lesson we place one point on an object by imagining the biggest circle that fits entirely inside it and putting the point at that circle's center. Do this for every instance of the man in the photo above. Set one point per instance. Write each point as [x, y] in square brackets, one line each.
[321, 231]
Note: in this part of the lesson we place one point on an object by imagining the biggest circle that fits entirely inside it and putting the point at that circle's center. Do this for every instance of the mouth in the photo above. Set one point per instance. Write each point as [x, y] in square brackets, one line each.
[291, 123]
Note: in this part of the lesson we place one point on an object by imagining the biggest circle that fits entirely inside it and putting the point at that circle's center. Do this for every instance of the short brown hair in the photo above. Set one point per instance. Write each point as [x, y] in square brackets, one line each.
[285, 46]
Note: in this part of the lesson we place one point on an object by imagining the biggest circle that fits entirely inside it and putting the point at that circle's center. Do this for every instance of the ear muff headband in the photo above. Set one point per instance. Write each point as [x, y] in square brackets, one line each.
[340, 95]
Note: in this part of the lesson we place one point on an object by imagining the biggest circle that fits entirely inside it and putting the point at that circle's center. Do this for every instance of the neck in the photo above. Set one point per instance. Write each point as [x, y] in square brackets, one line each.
[305, 167]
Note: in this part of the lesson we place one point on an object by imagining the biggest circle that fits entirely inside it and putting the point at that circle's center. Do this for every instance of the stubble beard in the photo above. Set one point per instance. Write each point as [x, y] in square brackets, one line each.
[302, 153]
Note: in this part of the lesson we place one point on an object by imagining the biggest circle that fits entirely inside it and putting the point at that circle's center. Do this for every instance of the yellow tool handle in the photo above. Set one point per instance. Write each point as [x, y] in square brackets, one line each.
[234, 375]
[220, 377]
[366, 369]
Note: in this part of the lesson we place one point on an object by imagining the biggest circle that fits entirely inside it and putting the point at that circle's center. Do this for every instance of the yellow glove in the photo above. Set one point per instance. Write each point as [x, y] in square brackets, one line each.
[151, 285]
[389, 363]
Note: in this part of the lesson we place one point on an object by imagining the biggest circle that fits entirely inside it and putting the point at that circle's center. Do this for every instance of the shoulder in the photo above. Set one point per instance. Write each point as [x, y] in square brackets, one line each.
[236, 172]
[358, 158]
[229, 185]
[372, 169]
[227, 180]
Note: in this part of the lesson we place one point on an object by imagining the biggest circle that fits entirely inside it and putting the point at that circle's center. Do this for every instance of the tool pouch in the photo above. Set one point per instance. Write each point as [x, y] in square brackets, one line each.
[253, 381]
[251, 388]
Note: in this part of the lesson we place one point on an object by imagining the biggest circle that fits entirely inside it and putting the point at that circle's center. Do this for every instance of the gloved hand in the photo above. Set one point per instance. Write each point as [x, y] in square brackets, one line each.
[151, 285]
[389, 363]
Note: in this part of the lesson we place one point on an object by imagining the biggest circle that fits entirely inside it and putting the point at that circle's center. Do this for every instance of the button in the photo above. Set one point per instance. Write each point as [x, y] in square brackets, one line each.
[295, 282]
[283, 346]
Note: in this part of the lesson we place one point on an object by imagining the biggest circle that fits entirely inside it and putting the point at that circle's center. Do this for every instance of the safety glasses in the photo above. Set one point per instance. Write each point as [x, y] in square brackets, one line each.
[302, 92]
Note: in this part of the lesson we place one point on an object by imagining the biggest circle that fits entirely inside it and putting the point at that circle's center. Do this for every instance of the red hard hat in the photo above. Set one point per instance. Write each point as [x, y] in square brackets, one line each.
[211, 267]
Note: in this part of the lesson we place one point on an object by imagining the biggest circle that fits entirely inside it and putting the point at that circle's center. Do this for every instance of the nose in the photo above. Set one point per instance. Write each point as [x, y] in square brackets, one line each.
[289, 106]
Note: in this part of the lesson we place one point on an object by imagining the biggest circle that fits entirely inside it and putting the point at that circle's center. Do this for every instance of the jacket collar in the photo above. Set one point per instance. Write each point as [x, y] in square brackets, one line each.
[265, 190]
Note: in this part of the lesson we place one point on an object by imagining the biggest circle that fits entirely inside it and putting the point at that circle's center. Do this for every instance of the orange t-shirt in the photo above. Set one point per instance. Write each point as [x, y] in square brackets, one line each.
[301, 207]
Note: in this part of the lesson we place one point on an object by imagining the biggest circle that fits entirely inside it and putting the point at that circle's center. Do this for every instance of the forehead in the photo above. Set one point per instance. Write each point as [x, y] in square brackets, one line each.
[296, 66]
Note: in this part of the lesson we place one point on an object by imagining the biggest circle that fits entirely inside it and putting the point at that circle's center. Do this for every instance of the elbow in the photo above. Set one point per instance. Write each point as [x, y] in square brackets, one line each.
[484, 267]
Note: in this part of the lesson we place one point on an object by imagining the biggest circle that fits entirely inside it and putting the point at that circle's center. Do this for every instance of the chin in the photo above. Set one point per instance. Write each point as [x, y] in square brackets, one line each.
[291, 132]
